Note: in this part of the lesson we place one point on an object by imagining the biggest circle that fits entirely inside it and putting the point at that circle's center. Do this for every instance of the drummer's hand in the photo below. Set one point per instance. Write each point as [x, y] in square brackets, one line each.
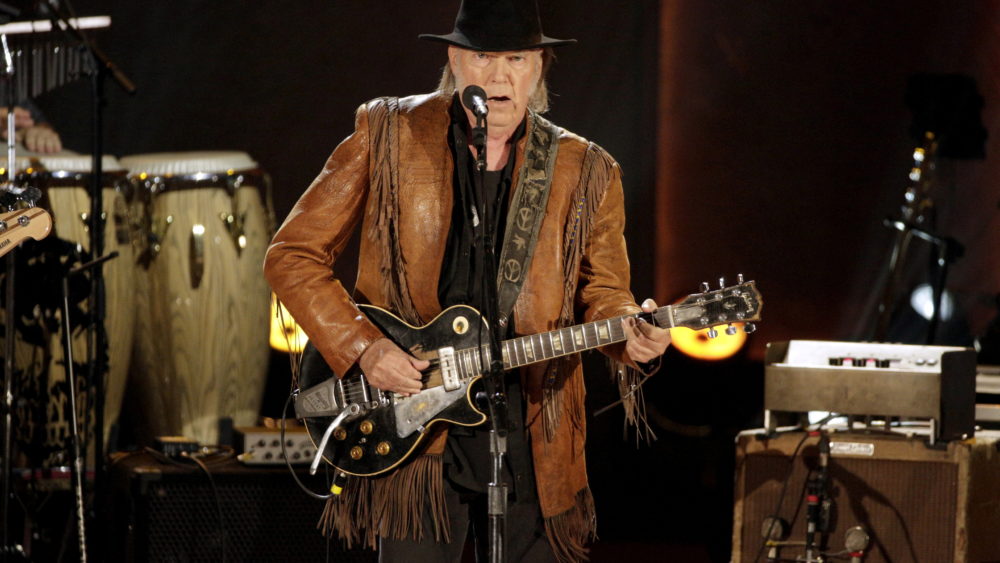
[41, 138]
[389, 368]
[645, 342]
[22, 119]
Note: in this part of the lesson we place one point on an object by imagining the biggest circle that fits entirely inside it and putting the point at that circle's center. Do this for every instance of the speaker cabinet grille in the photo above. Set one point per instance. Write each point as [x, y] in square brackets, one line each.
[165, 513]
[917, 503]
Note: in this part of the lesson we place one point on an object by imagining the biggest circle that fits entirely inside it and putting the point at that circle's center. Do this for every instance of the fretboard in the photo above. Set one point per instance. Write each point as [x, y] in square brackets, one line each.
[544, 346]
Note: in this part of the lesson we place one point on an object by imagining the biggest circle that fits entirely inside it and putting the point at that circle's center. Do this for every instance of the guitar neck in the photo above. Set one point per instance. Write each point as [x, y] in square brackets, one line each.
[544, 346]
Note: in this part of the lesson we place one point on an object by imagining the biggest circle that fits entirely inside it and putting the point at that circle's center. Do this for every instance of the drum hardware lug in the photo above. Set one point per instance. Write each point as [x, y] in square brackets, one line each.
[234, 224]
[122, 223]
[85, 217]
[158, 231]
[197, 254]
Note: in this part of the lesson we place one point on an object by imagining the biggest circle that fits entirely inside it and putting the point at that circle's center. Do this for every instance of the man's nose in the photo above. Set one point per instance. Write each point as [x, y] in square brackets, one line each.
[500, 71]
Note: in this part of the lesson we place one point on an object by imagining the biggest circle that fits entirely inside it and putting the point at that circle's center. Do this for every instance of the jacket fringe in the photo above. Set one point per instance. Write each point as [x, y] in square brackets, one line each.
[383, 116]
[629, 382]
[392, 506]
[588, 196]
[569, 533]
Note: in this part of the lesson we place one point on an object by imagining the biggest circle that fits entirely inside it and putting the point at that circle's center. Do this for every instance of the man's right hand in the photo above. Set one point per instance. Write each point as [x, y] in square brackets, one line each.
[389, 368]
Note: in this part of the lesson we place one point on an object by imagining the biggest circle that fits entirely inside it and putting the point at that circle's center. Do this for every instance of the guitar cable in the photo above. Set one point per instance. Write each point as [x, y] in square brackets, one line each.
[288, 464]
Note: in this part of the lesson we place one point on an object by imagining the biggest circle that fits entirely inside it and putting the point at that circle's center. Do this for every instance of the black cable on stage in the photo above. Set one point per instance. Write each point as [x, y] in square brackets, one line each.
[288, 464]
[784, 488]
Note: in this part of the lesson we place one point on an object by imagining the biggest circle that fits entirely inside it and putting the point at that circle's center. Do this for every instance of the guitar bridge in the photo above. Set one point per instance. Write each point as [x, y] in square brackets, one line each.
[449, 369]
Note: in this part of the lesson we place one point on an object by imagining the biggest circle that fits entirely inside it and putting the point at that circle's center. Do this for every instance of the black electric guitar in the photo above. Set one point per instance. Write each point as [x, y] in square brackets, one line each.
[364, 431]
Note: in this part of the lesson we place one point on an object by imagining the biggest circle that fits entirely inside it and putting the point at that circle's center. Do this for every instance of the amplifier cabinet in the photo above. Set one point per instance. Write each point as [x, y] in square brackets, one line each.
[917, 503]
[170, 513]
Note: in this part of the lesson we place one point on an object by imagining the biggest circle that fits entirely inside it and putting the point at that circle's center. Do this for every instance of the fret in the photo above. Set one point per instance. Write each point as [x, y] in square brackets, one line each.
[506, 357]
[592, 328]
[468, 360]
[569, 344]
[579, 341]
[557, 346]
[604, 333]
[485, 352]
[552, 346]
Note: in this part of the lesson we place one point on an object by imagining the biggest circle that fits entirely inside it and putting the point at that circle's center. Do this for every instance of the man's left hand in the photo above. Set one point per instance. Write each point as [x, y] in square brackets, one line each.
[645, 342]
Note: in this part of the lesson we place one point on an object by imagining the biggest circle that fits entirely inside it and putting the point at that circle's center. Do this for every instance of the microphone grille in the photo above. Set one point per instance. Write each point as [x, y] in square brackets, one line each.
[470, 91]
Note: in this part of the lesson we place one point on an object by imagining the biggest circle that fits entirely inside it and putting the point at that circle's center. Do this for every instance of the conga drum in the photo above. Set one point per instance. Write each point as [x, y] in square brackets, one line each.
[201, 349]
[43, 401]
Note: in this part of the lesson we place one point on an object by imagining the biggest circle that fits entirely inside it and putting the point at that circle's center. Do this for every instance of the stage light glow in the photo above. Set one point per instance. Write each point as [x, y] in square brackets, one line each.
[286, 335]
[922, 301]
[697, 344]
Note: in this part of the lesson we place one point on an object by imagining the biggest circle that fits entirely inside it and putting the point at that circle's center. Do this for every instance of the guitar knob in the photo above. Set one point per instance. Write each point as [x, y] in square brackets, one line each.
[731, 330]
[705, 287]
[712, 333]
[722, 283]
[749, 327]
[739, 279]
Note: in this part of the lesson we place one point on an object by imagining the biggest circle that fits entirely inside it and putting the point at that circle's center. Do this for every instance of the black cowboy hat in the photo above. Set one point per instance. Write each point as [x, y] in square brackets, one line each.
[498, 25]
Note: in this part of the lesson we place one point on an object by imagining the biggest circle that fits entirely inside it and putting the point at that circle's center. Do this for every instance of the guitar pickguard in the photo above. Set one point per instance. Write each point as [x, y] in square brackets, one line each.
[413, 412]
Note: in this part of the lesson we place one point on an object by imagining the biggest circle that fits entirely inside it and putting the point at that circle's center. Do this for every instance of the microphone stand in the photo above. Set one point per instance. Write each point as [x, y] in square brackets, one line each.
[78, 458]
[817, 503]
[496, 391]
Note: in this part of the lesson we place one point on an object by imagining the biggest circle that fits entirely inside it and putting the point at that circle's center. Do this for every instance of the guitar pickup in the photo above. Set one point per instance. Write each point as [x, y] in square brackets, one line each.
[449, 369]
[320, 400]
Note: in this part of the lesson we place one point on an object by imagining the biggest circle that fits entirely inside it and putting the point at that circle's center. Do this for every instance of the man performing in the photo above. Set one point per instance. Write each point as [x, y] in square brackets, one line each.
[408, 174]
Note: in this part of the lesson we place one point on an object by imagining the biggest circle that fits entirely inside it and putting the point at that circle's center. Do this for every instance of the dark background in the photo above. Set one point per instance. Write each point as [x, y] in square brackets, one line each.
[769, 138]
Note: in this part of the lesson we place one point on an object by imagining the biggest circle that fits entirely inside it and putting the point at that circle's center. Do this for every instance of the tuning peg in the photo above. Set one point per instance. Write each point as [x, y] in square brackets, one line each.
[722, 283]
[731, 330]
[712, 333]
[749, 327]
[739, 279]
[705, 287]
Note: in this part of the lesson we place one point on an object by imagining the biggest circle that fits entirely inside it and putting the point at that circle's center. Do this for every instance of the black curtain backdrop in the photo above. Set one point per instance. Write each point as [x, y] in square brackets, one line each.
[764, 137]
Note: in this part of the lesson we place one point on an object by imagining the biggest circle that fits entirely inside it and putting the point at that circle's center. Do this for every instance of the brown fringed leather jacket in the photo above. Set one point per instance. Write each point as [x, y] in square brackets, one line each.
[394, 175]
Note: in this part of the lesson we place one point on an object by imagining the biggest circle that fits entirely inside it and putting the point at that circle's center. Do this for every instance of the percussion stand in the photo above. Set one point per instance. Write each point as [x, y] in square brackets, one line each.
[99, 64]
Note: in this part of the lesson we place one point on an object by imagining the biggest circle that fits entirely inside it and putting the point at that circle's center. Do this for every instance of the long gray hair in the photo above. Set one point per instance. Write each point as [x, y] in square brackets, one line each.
[539, 102]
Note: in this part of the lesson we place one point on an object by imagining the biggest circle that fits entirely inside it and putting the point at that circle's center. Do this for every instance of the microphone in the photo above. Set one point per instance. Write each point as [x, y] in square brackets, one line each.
[474, 98]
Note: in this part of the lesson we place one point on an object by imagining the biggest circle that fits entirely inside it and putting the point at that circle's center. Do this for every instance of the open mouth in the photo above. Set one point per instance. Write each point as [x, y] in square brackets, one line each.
[499, 99]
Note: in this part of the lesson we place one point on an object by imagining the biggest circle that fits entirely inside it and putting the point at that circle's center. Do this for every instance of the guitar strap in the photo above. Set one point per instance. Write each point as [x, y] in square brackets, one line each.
[527, 209]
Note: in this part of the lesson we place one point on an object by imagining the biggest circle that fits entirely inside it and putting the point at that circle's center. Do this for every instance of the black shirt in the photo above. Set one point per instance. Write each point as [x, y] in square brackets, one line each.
[467, 456]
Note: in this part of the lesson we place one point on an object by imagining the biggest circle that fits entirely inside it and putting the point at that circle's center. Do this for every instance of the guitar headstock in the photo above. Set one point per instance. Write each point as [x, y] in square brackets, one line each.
[740, 303]
[20, 224]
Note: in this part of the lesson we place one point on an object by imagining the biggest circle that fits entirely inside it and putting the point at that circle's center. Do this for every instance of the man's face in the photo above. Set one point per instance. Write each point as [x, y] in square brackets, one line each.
[508, 77]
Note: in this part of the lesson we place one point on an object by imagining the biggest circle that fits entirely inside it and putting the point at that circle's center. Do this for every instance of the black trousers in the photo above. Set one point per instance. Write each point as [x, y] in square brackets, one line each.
[467, 514]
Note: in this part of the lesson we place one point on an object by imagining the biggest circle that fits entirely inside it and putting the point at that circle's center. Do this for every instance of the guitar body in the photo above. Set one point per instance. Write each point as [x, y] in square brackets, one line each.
[370, 443]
